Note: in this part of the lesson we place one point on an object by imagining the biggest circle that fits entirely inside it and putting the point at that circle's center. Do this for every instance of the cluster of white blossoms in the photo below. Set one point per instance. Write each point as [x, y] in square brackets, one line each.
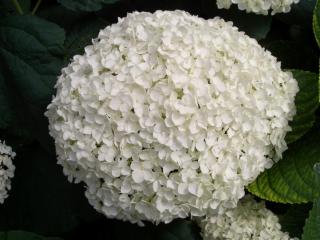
[259, 6]
[6, 170]
[250, 220]
[169, 115]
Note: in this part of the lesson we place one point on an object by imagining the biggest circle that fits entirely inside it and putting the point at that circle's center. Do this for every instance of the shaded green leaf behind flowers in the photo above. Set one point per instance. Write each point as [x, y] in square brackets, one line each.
[292, 179]
[316, 22]
[306, 101]
[85, 5]
[31, 51]
[311, 229]
[22, 235]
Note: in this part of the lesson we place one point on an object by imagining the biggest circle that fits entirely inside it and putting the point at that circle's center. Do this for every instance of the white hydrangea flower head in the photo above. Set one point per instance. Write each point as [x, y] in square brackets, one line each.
[249, 220]
[168, 115]
[6, 170]
[259, 6]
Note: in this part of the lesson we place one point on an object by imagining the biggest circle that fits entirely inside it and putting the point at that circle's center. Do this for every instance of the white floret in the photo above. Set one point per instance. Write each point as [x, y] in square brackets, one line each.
[6, 170]
[249, 220]
[169, 115]
[259, 6]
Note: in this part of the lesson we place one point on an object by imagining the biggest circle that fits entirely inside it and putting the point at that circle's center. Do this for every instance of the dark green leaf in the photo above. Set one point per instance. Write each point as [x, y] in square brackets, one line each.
[311, 230]
[85, 5]
[293, 220]
[81, 35]
[179, 230]
[22, 235]
[316, 22]
[307, 102]
[292, 179]
[62, 16]
[125, 230]
[5, 106]
[25, 5]
[42, 200]
[12, 116]
[8, 7]
[294, 55]
[316, 169]
[176, 230]
[31, 52]
[29, 49]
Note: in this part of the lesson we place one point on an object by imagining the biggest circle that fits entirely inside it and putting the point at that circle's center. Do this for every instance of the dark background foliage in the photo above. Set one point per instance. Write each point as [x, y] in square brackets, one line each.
[33, 49]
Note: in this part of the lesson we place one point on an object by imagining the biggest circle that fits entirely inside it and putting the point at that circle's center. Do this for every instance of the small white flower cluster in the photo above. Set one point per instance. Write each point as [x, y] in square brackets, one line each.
[259, 6]
[249, 220]
[6, 170]
[168, 115]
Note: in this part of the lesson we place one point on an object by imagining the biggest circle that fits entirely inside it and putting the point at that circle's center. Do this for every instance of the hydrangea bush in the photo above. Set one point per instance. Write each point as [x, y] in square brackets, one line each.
[168, 115]
[260, 6]
[6, 170]
[182, 120]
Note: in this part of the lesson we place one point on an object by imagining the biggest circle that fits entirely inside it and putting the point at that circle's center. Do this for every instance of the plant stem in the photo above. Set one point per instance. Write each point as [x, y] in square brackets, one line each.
[36, 7]
[17, 6]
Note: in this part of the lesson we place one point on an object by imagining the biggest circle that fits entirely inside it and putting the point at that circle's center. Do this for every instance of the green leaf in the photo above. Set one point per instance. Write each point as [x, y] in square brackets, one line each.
[85, 5]
[294, 54]
[316, 169]
[30, 48]
[22, 235]
[316, 22]
[81, 35]
[5, 106]
[31, 51]
[311, 230]
[307, 102]
[42, 200]
[292, 179]
[177, 230]
[294, 219]
[25, 5]
[61, 16]
[13, 118]
[9, 8]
